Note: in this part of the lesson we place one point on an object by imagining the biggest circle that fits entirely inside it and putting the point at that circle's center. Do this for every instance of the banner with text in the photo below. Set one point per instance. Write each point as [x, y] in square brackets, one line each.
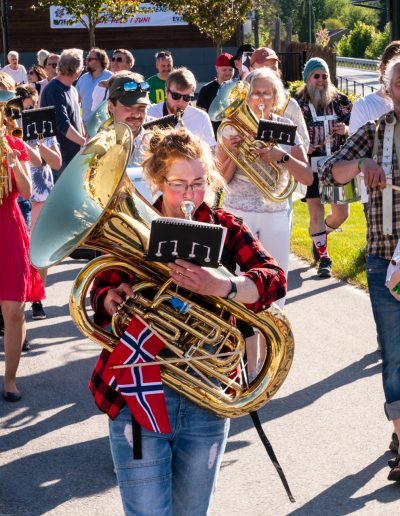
[152, 16]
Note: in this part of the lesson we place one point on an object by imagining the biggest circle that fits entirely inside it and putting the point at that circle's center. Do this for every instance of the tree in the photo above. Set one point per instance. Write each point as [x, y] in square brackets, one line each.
[357, 41]
[217, 19]
[92, 12]
[378, 44]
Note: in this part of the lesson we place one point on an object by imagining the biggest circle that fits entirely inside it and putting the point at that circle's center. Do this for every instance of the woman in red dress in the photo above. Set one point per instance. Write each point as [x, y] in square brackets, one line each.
[19, 281]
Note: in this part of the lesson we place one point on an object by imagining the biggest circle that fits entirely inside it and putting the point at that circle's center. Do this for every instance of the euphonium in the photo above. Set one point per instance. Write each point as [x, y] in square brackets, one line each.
[95, 205]
[274, 181]
[5, 174]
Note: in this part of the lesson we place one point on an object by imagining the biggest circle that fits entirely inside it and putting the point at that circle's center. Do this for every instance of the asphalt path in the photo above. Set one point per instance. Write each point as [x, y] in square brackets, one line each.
[326, 423]
[369, 78]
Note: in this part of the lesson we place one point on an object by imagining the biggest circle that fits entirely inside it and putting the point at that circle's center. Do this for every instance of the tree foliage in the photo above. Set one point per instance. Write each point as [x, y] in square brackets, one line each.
[218, 19]
[92, 12]
[378, 44]
[357, 41]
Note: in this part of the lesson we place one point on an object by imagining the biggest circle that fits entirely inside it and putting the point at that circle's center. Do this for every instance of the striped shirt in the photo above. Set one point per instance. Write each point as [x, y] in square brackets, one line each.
[360, 145]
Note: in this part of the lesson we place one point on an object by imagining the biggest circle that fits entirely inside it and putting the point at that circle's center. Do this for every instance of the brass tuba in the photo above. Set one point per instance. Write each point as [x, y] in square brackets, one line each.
[230, 107]
[94, 204]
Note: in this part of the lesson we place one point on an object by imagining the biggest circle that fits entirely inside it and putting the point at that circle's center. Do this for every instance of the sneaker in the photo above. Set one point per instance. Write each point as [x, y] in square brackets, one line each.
[37, 310]
[394, 443]
[315, 253]
[394, 466]
[26, 346]
[325, 268]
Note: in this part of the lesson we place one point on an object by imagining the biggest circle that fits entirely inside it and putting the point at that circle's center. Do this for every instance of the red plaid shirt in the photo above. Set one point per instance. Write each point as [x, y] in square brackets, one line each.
[240, 248]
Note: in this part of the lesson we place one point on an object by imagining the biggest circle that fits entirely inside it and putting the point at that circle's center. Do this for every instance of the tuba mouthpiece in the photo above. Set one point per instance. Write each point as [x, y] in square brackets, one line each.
[187, 208]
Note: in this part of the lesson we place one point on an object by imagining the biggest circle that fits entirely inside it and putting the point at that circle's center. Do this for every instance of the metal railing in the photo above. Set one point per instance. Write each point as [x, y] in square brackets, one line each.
[356, 88]
[364, 64]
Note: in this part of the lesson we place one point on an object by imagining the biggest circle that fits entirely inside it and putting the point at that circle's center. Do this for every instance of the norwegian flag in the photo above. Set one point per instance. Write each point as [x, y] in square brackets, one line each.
[141, 387]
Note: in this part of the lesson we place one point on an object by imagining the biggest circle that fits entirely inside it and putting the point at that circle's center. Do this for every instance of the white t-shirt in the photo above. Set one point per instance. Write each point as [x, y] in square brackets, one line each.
[19, 75]
[195, 121]
[294, 113]
[370, 107]
[99, 95]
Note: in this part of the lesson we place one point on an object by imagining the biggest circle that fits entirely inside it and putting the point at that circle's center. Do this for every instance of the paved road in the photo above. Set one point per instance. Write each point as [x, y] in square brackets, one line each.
[368, 78]
[326, 423]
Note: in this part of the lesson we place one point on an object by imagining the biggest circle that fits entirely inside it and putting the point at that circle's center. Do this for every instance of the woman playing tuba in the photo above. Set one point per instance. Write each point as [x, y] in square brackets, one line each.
[270, 221]
[178, 471]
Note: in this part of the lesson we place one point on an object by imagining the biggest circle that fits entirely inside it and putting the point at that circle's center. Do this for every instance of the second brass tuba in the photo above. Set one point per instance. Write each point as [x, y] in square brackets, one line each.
[94, 204]
[230, 107]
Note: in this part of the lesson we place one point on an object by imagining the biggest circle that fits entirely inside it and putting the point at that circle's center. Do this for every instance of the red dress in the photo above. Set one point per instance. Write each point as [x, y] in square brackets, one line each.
[19, 280]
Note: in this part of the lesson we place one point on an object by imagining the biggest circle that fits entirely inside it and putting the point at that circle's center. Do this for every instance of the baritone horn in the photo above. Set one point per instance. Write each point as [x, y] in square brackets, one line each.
[230, 107]
[94, 204]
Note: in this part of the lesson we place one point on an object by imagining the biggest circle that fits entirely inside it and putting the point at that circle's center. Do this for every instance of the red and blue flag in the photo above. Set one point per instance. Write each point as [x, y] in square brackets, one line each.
[141, 387]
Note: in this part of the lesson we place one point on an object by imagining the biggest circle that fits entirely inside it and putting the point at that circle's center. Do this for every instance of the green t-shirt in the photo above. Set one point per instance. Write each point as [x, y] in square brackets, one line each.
[157, 89]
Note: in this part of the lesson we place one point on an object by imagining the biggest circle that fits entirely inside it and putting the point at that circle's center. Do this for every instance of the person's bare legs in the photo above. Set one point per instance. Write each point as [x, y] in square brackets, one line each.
[14, 336]
[339, 214]
[316, 212]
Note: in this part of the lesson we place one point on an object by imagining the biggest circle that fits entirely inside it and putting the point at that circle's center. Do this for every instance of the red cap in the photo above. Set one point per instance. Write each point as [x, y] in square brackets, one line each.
[224, 60]
[263, 54]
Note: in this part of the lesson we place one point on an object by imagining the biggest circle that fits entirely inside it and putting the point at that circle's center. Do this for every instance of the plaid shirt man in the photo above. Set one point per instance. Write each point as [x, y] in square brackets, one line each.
[358, 146]
[240, 248]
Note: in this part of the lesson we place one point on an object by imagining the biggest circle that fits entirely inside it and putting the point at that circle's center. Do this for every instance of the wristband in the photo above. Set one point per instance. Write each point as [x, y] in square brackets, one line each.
[359, 163]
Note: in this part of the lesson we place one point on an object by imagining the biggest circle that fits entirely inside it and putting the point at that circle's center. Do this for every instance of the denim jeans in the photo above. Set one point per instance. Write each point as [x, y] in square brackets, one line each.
[178, 471]
[386, 310]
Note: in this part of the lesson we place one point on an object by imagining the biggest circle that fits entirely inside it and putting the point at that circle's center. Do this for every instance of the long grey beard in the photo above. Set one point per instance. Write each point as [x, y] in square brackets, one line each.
[321, 98]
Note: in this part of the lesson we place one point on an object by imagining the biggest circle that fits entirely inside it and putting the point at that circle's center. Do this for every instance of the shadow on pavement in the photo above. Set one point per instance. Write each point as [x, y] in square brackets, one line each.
[277, 408]
[340, 499]
[37, 483]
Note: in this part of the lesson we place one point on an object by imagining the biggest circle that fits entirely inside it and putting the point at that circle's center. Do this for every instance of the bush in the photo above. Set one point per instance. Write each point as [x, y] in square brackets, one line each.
[357, 41]
[333, 24]
[378, 44]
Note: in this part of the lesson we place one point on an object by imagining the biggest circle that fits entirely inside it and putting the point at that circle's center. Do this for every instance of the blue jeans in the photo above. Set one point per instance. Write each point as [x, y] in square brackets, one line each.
[386, 311]
[26, 209]
[178, 471]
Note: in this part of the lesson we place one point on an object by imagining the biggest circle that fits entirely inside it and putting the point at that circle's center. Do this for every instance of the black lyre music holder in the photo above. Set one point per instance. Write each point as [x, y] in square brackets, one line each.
[276, 132]
[39, 123]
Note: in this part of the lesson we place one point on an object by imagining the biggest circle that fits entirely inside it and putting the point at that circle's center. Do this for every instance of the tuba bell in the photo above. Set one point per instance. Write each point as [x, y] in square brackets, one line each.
[94, 204]
[274, 181]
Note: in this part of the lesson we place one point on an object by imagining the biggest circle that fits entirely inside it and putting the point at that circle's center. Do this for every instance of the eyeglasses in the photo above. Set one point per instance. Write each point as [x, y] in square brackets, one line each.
[318, 75]
[28, 107]
[53, 65]
[183, 187]
[133, 86]
[257, 96]
[178, 96]
[118, 59]
[91, 59]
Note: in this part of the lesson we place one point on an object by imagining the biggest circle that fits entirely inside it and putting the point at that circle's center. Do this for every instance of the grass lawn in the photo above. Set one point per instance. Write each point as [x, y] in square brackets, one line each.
[346, 248]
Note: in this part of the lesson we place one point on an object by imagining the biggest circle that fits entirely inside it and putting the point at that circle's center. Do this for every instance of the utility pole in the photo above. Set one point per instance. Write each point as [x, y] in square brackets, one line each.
[256, 28]
[4, 28]
[309, 21]
[394, 14]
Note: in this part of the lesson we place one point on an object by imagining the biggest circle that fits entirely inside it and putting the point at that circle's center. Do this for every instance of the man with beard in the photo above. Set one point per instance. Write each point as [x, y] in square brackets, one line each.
[121, 60]
[127, 103]
[327, 114]
[180, 88]
[96, 66]
[374, 151]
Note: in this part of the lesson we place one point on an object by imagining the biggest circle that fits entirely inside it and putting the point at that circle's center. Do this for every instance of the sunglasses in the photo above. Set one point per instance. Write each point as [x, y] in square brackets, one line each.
[117, 59]
[323, 75]
[161, 55]
[178, 96]
[53, 65]
[133, 86]
[91, 59]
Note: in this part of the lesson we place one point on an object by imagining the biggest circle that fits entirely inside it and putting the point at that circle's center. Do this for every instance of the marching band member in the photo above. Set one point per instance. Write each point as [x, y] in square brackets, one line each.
[19, 281]
[178, 471]
[327, 115]
[270, 221]
[374, 151]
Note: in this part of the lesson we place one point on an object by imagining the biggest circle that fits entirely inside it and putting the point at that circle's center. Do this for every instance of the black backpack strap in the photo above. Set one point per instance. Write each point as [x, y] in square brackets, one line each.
[271, 453]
